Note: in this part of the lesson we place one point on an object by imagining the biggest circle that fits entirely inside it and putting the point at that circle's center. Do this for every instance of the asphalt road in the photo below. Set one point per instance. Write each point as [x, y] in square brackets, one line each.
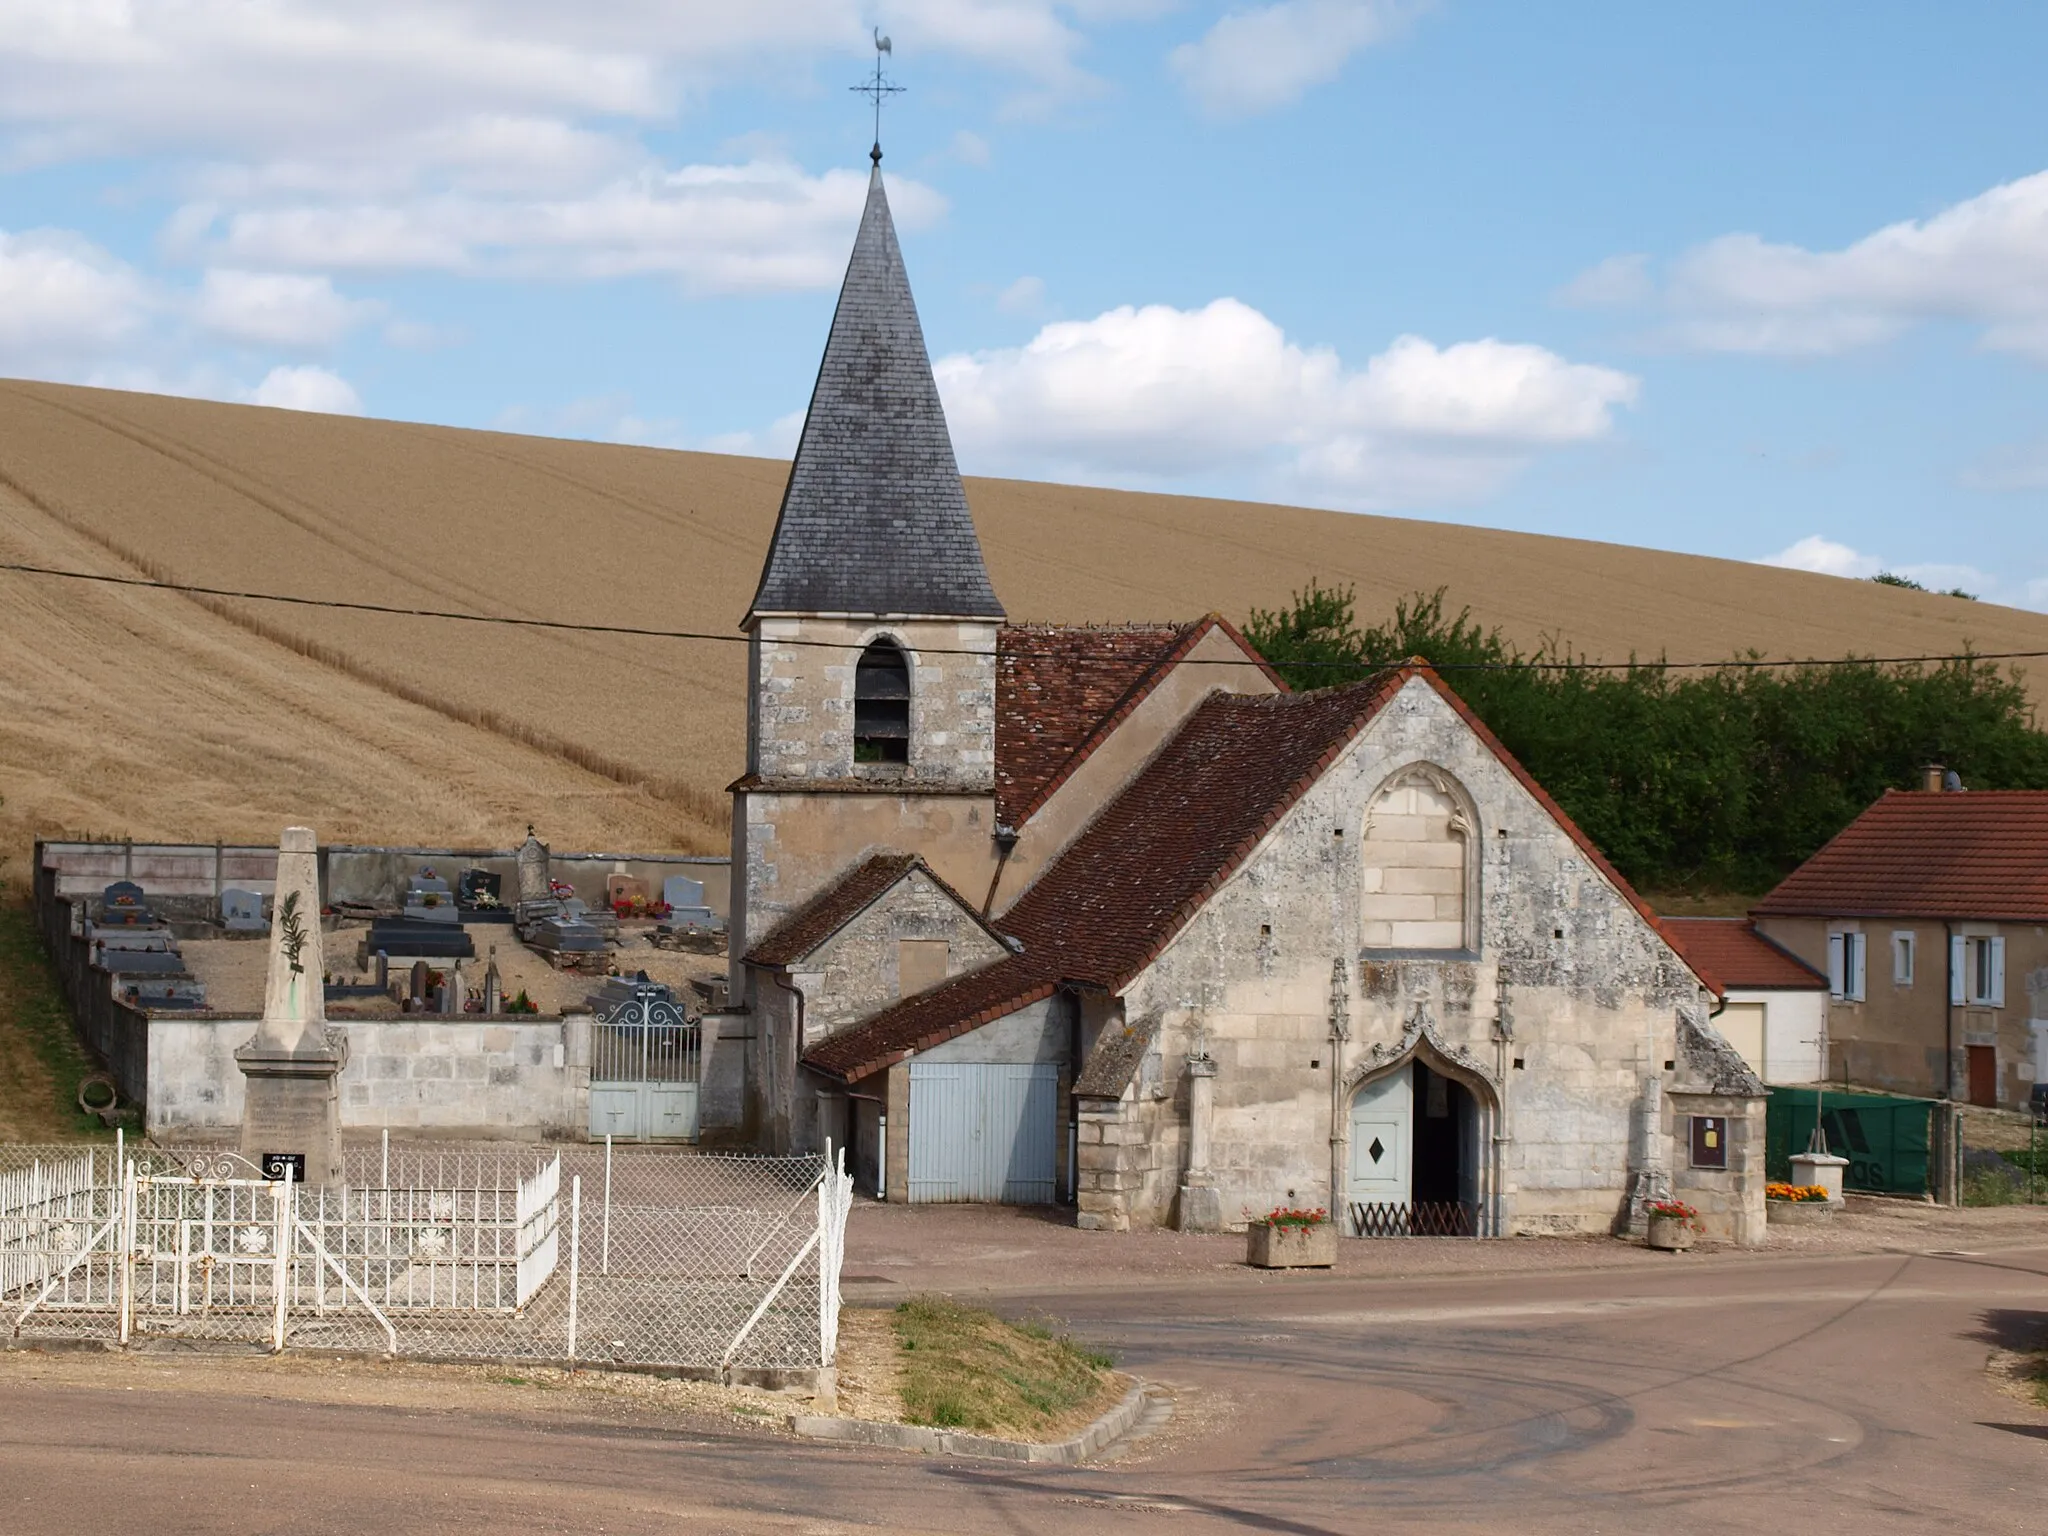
[1798, 1392]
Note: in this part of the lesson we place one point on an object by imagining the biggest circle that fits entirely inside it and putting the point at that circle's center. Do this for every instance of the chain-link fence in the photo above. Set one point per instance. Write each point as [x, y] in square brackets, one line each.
[454, 1251]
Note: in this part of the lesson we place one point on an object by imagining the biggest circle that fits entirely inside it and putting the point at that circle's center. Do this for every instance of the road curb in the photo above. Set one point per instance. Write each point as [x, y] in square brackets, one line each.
[1105, 1431]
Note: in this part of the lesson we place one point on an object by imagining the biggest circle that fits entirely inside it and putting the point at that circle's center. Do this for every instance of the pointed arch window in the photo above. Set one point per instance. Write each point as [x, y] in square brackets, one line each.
[881, 705]
[1420, 862]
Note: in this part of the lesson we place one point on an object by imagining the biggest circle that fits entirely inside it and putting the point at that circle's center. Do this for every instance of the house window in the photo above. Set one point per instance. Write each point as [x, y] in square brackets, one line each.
[881, 705]
[1979, 972]
[1418, 865]
[1902, 959]
[1845, 967]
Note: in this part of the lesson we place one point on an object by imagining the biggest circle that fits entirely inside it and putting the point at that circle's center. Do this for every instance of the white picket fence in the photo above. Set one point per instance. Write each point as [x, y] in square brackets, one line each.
[703, 1261]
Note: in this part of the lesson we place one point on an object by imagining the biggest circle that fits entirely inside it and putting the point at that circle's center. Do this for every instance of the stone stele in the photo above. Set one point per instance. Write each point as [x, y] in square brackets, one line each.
[292, 1105]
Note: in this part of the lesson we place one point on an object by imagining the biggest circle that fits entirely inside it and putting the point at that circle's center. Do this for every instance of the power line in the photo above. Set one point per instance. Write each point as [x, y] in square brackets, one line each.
[576, 627]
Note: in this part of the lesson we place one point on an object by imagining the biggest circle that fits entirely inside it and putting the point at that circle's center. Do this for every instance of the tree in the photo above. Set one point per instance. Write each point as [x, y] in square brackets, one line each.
[1727, 778]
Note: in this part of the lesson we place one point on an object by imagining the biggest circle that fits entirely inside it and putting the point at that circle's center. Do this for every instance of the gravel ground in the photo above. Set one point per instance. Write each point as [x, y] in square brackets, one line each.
[964, 1250]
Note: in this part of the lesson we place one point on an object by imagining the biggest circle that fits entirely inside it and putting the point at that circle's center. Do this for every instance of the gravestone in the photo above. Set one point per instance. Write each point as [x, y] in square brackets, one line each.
[242, 911]
[291, 1106]
[430, 901]
[481, 889]
[681, 891]
[532, 863]
[494, 986]
[122, 905]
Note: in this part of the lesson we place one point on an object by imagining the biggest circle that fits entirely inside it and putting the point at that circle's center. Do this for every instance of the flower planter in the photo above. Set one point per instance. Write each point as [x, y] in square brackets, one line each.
[1799, 1213]
[1268, 1247]
[1672, 1234]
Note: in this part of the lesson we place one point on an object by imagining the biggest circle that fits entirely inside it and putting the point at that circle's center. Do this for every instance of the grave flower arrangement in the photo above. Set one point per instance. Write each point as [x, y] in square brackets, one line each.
[1293, 1216]
[1797, 1194]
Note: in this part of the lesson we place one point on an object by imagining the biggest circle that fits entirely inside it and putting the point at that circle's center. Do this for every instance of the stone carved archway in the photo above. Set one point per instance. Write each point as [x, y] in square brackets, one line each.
[1420, 1041]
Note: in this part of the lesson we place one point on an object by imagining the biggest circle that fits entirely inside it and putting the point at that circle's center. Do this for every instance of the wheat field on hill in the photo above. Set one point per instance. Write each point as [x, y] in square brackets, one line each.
[163, 715]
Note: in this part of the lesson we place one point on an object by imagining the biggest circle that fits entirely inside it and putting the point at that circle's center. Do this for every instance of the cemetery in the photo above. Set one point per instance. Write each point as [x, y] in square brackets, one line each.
[469, 990]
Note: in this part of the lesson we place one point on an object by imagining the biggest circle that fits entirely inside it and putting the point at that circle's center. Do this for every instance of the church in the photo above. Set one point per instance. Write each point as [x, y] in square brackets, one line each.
[1109, 916]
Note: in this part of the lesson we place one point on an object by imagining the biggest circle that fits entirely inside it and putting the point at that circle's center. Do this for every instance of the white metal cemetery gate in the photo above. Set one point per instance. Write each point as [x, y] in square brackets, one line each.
[644, 1057]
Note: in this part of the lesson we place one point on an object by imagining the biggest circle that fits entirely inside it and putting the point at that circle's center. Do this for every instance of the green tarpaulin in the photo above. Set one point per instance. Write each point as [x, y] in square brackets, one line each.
[1884, 1137]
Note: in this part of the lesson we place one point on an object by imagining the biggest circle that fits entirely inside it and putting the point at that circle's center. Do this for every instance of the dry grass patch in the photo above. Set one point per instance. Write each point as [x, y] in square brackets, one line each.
[964, 1368]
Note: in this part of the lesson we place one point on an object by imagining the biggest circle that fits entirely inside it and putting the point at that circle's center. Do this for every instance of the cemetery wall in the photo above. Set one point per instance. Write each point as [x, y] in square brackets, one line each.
[182, 875]
[502, 1076]
[113, 1031]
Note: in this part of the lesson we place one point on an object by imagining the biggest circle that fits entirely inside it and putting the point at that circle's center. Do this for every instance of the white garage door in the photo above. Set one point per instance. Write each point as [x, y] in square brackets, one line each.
[983, 1132]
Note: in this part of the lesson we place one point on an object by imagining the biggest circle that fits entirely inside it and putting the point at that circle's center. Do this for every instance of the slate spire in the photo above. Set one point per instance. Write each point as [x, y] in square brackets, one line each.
[874, 519]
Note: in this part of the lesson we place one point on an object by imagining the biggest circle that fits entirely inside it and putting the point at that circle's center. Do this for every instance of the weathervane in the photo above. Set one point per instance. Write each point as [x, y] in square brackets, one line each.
[878, 88]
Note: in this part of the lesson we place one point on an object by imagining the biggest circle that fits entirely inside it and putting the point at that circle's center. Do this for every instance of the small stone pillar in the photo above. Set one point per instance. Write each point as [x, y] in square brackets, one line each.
[532, 863]
[291, 1105]
[494, 986]
[1201, 1205]
[1820, 1168]
[458, 989]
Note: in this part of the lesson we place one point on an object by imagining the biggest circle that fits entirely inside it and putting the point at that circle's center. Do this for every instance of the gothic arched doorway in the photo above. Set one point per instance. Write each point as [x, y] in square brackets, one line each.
[1414, 1165]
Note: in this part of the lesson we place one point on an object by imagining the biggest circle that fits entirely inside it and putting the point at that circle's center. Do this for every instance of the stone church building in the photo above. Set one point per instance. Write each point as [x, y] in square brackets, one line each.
[1027, 913]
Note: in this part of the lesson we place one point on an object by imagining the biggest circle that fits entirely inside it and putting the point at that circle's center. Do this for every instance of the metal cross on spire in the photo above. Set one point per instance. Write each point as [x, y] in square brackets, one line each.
[877, 89]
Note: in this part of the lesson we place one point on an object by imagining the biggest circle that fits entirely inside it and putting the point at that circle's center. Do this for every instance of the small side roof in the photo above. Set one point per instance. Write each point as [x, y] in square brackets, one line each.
[1970, 854]
[817, 920]
[1734, 954]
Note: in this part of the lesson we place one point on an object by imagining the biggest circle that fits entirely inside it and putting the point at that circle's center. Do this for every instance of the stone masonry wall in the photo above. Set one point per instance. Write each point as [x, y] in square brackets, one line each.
[802, 700]
[1731, 1200]
[854, 974]
[1568, 1001]
[484, 1077]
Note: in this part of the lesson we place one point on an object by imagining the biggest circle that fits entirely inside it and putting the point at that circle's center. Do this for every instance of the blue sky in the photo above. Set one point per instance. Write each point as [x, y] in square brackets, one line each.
[1760, 281]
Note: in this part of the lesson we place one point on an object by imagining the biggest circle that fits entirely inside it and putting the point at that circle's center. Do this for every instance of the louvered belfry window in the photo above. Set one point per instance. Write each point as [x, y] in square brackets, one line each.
[881, 705]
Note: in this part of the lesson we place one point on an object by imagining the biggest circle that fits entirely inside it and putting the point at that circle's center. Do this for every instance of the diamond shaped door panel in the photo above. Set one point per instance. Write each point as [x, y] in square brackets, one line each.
[1381, 1138]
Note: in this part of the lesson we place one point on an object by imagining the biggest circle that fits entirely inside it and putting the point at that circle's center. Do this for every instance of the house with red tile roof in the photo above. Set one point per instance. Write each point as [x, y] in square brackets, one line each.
[1929, 916]
[1773, 1007]
[1107, 915]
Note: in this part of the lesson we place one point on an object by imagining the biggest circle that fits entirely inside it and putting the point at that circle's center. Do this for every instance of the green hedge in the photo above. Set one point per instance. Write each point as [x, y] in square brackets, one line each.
[1725, 779]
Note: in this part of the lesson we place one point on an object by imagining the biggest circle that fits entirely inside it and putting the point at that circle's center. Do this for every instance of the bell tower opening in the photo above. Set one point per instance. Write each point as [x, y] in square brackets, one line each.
[881, 705]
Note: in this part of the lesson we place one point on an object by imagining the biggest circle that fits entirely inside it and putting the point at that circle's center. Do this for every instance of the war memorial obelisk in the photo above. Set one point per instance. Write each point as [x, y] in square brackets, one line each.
[291, 1113]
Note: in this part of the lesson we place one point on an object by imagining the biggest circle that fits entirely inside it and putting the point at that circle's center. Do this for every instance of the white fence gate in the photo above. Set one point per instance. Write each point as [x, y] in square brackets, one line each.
[451, 1252]
[983, 1131]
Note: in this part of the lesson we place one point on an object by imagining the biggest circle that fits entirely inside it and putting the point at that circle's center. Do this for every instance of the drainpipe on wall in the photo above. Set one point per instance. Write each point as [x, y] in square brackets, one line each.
[1006, 844]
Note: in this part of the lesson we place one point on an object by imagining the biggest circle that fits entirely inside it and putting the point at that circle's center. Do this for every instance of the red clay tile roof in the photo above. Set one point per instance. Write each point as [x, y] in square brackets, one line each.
[1979, 854]
[1736, 955]
[1144, 866]
[1061, 689]
[1155, 854]
[839, 904]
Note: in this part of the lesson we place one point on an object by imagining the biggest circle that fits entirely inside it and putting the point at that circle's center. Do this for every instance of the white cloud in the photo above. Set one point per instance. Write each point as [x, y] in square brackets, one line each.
[1618, 282]
[1160, 395]
[1023, 296]
[277, 309]
[765, 225]
[64, 299]
[970, 148]
[1269, 56]
[1982, 262]
[307, 388]
[1829, 557]
[1825, 557]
